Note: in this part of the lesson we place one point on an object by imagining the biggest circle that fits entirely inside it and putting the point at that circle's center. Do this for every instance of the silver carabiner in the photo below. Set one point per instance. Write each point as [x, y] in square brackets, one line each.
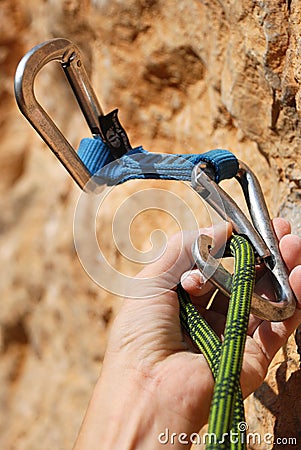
[68, 55]
[210, 267]
[225, 206]
[260, 233]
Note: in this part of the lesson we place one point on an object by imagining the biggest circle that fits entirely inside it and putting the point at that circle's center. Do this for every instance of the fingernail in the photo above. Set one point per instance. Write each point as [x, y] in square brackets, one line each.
[193, 279]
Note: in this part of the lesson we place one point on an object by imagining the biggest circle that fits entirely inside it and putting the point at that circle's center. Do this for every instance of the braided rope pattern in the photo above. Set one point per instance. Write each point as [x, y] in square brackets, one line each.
[225, 359]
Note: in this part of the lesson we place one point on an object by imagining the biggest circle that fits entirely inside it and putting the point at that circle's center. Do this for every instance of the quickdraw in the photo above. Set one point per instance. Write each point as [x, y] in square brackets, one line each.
[108, 158]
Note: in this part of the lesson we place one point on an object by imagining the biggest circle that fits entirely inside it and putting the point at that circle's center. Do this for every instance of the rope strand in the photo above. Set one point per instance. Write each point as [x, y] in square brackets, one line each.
[225, 359]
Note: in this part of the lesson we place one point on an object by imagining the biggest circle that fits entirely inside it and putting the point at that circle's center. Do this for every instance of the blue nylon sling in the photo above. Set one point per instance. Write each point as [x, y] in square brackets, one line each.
[141, 164]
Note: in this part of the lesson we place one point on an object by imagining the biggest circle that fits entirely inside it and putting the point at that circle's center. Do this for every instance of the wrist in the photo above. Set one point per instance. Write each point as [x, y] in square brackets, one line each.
[126, 411]
[120, 413]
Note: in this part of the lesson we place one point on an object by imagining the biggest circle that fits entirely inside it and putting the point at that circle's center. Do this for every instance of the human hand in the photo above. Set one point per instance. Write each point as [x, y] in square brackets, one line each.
[152, 379]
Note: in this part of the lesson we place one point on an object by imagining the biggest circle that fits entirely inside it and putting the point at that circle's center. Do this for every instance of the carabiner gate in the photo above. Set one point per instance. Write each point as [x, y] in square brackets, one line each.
[68, 55]
[260, 233]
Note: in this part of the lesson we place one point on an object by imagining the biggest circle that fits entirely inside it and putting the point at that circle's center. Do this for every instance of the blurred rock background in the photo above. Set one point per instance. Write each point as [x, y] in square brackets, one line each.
[187, 76]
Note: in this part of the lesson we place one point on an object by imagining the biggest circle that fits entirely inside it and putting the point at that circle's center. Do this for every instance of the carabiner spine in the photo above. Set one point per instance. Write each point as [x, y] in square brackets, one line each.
[262, 223]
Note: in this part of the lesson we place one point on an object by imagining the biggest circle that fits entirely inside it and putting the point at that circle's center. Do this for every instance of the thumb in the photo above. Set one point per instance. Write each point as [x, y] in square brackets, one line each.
[165, 273]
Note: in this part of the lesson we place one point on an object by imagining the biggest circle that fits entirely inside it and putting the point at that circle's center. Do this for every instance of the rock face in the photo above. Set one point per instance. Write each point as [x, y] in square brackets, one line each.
[187, 77]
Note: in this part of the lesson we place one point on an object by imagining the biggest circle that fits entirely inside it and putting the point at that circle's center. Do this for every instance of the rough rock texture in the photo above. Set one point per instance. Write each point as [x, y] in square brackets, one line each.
[187, 76]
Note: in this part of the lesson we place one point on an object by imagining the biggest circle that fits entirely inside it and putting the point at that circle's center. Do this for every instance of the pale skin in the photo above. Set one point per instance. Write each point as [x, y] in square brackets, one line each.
[152, 378]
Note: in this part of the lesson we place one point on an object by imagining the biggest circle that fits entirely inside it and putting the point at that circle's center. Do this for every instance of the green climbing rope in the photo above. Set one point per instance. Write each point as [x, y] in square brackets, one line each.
[226, 422]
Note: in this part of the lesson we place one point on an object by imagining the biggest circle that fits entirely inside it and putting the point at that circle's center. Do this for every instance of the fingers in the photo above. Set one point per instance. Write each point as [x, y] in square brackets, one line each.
[295, 282]
[193, 282]
[271, 336]
[281, 227]
[290, 248]
[199, 289]
[177, 257]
